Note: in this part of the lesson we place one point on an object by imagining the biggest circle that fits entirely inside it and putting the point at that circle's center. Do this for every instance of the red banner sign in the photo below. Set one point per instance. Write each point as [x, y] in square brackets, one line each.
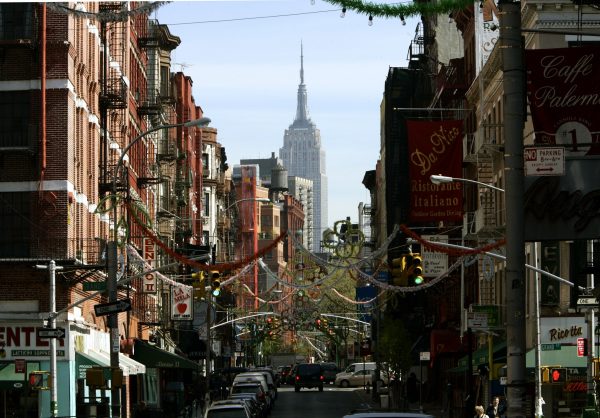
[563, 88]
[435, 147]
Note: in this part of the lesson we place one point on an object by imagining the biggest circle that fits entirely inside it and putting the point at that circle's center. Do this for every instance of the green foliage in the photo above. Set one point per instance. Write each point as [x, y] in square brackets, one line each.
[394, 346]
[402, 10]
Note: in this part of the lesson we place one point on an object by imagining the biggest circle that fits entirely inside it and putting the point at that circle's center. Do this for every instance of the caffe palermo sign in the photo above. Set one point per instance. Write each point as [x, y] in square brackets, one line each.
[182, 302]
[434, 147]
[563, 88]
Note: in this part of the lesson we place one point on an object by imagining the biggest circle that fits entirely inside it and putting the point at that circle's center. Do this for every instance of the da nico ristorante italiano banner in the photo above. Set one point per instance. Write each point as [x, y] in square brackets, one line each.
[434, 147]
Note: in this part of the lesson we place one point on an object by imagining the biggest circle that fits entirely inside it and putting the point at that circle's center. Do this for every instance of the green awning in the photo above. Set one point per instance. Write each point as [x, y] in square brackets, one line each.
[156, 358]
[481, 356]
[84, 361]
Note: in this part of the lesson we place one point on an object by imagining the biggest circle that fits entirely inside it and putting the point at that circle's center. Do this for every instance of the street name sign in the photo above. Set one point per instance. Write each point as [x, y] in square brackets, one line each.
[587, 301]
[550, 347]
[51, 333]
[94, 286]
[112, 307]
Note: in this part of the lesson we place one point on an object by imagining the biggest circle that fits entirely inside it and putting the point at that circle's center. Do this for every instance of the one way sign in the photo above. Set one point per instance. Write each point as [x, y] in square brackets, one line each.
[51, 333]
[112, 307]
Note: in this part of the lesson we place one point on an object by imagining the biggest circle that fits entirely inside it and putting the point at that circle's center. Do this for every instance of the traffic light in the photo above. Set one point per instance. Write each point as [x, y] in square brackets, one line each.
[558, 375]
[415, 269]
[36, 380]
[215, 283]
[199, 285]
[399, 277]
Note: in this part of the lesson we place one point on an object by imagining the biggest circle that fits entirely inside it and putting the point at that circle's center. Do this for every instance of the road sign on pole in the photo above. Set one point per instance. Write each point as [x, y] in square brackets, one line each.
[112, 307]
[51, 333]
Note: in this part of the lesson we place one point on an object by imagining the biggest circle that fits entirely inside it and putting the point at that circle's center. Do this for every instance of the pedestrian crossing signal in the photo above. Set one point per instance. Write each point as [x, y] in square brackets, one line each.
[558, 375]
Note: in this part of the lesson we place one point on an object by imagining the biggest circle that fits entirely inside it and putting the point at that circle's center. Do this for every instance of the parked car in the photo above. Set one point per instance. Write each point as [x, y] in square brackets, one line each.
[308, 375]
[238, 410]
[282, 374]
[360, 378]
[257, 407]
[264, 378]
[330, 370]
[252, 387]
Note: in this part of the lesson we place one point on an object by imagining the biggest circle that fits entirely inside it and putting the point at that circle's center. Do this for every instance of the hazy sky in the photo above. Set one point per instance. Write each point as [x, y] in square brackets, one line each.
[245, 66]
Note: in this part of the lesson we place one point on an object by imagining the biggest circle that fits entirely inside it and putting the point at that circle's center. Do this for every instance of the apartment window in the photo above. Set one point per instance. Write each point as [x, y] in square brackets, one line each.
[16, 21]
[14, 119]
[205, 167]
[265, 220]
[164, 81]
[276, 221]
[206, 205]
[15, 216]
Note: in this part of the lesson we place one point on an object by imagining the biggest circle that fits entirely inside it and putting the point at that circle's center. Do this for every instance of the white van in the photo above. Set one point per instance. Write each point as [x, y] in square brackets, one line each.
[354, 367]
[357, 374]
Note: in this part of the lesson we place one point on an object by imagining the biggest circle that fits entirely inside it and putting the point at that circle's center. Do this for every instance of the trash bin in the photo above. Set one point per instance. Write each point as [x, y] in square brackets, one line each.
[385, 401]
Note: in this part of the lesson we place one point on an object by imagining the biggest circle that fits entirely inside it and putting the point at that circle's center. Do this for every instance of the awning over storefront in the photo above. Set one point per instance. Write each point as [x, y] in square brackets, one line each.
[9, 379]
[84, 361]
[481, 357]
[94, 358]
[155, 357]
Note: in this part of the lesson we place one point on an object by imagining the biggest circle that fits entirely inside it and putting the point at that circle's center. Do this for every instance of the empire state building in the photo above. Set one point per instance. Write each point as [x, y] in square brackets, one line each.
[303, 157]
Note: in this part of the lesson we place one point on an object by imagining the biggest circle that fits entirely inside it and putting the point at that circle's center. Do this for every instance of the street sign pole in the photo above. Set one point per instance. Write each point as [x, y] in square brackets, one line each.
[52, 324]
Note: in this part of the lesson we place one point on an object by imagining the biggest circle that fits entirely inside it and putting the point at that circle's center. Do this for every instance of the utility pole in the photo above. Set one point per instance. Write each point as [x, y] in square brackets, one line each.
[52, 325]
[113, 322]
[511, 45]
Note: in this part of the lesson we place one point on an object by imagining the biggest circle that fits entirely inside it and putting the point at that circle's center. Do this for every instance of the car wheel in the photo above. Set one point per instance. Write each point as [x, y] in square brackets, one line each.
[344, 383]
[297, 388]
[321, 388]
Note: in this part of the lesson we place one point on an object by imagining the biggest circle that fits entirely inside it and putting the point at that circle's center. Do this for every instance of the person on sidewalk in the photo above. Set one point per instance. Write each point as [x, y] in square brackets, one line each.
[496, 409]
[480, 412]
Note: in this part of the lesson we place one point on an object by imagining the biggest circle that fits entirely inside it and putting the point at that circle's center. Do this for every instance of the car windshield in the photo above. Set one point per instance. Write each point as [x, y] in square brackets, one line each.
[227, 413]
[246, 389]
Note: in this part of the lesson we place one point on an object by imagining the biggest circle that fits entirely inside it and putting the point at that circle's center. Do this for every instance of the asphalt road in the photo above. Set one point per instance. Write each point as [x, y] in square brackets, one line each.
[333, 402]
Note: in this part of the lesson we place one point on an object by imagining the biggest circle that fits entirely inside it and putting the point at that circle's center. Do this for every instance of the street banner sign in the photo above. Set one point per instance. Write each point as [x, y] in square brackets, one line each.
[51, 333]
[112, 307]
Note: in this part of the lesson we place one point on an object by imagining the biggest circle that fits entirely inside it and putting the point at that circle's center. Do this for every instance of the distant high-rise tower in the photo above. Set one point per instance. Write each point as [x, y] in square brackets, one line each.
[303, 157]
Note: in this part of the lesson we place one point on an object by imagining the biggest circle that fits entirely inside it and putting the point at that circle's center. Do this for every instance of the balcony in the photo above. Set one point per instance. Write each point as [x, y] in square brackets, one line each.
[76, 251]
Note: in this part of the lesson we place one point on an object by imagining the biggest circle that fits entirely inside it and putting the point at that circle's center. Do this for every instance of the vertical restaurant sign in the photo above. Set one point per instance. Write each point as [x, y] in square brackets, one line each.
[149, 285]
[182, 300]
[563, 90]
[434, 147]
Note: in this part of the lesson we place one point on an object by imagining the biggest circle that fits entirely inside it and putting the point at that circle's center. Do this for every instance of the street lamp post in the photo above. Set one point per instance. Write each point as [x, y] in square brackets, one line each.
[112, 258]
[440, 179]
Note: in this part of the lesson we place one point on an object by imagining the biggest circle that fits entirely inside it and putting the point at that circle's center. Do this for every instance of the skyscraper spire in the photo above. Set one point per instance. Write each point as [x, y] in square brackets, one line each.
[301, 63]
[302, 109]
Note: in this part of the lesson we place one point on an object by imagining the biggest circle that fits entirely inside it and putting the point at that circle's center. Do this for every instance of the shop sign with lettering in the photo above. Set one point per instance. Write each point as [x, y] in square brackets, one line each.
[20, 341]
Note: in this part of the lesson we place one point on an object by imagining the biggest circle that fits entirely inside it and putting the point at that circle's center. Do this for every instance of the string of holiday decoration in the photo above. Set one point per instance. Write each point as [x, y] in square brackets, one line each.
[133, 253]
[293, 285]
[239, 274]
[348, 265]
[401, 10]
[200, 266]
[354, 302]
[452, 251]
[409, 289]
